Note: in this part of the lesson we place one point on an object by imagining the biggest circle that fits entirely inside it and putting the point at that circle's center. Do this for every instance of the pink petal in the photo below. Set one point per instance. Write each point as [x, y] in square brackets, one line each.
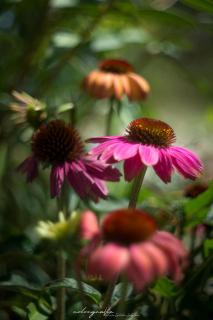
[164, 166]
[169, 242]
[101, 170]
[29, 167]
[186, 162]
[125, 150]
[132, 167]
[174, 251]
[89, 227]
[98, 190]
[158, 257]
[140, 269]
[149, 155]
[75, 178]
[56, 180]
[108, 261]
[83, 183]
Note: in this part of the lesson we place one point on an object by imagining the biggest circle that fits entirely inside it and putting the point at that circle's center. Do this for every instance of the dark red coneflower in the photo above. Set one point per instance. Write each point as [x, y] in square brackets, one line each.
[59, 146]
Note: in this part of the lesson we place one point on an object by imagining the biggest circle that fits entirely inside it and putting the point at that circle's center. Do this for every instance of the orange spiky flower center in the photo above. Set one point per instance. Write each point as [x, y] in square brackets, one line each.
[128, 226]
[151, 132]
[56, 142]
[116, 66]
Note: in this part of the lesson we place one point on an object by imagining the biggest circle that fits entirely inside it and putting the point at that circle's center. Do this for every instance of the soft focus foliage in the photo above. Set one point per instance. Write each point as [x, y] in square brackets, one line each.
[47, 47]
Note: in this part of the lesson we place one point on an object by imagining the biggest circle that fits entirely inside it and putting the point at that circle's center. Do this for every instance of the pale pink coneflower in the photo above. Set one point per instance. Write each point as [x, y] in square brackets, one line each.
[128, 243]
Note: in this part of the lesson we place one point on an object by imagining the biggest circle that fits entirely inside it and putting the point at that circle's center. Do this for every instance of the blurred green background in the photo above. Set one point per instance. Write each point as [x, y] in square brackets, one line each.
[48, 46]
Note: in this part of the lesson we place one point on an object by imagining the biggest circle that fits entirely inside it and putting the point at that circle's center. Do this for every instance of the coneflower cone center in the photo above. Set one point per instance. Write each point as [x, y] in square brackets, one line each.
[151, 132]
[128, 226]
[56, 142]
[116, 66]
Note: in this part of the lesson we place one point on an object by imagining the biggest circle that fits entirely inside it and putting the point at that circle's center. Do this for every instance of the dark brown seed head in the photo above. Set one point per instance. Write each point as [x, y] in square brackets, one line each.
[151, 132]
[56, 142]
[127, 226]
[116, 66]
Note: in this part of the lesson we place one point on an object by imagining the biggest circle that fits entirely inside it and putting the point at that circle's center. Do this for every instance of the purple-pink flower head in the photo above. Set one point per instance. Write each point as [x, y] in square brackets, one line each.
[148, 142]
[59, 146]
[128, 243]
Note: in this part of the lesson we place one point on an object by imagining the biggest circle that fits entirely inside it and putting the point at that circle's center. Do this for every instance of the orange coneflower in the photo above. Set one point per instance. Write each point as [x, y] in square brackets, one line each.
[114, 79]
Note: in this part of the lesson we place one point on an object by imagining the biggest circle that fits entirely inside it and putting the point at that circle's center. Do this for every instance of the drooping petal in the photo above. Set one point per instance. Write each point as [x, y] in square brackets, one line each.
[140, 269]
[101, 170]
[170, 242]
[149, 155]
[108, 261]
[98, 190]
[86, 185]
[29, 167]
[89, 227]
[107, 85]
[56, 180]
[135, 92]
[76, 179]
[142, 83]
[132, 167]
[175, 252]
[164, 166]
[186, 162]
[118, 89]
[126, 85]
[158, 258]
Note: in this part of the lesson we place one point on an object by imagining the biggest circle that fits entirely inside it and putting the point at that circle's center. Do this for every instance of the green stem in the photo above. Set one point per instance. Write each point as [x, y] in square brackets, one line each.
[109, 117]
[137, 183]
[61, 268]
[61, 295]
[108, 295]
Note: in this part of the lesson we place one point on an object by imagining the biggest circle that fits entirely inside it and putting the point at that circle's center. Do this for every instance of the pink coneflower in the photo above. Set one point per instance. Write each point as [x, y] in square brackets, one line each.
[58, 145]
[148, 142]
[114, 79]
[128, 243]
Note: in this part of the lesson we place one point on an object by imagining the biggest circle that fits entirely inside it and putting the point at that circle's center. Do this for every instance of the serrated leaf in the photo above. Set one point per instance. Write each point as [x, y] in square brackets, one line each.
[72, 284]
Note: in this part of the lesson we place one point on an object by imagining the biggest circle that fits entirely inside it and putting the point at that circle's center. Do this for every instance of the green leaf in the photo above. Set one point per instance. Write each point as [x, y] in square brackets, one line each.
[173, 19]
[201, 5]
[197, 209]
[17, 282]
[65, 107]
[72, 284]
[208, 247]
[34, 314]
[165, 288]
[117, 293]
